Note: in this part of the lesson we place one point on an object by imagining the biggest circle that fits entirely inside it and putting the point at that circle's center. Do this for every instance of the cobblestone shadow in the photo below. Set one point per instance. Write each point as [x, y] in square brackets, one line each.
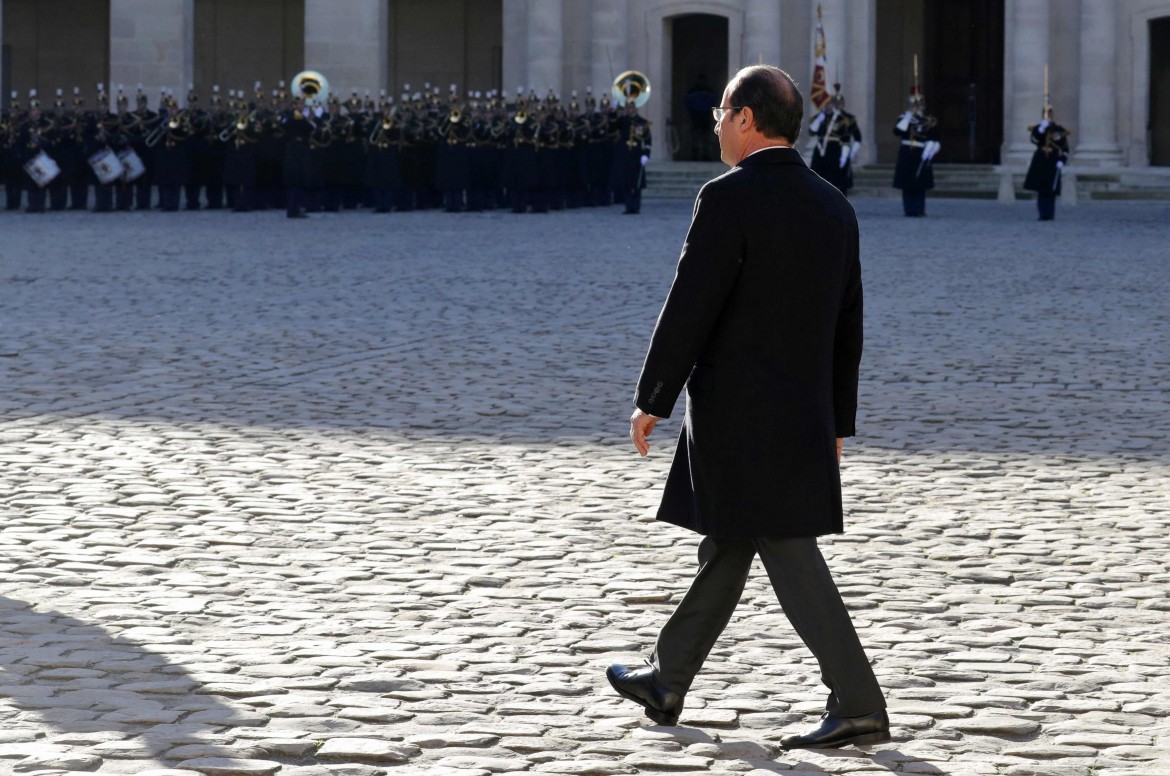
[100, 696]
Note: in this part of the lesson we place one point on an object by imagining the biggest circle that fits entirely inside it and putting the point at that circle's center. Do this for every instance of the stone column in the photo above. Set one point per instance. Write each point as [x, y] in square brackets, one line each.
[5, 95]
[761, 40]
[346, 40]
[858, 73]
[834, 17]
[1026, 54]
[152, 42]
[515, 44]
[1095, 132]
[546, 46]
[607, 48]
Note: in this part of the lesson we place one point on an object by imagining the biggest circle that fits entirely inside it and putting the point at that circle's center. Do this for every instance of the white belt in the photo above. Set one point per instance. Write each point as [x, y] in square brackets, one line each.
[912, 143]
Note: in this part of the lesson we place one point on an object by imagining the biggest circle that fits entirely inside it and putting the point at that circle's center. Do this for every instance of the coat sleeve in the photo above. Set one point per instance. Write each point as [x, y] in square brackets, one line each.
[847, 345]
[707, 270]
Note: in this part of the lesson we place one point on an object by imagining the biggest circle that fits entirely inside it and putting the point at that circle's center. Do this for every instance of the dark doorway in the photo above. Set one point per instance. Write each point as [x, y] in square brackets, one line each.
[45, 52]
[237, 44]
[698, 72]
[1159, 126]
[960, 47]
[963, 77]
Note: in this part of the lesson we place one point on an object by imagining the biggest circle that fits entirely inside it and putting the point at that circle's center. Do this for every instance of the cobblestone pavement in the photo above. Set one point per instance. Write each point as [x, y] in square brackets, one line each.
[354, 495]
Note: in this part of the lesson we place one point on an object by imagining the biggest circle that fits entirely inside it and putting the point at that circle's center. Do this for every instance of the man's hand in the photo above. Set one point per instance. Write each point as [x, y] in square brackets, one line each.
[641, 425]
[840, 444]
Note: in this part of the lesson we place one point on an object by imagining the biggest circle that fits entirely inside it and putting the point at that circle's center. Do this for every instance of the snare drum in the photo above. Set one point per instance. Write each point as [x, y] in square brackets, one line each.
[42, 169]
[132, 166]
[106, 166]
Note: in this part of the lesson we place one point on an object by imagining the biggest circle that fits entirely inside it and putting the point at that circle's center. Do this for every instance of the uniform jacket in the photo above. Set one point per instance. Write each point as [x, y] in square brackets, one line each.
[1051, 147]
[910, 172]
[762, 326]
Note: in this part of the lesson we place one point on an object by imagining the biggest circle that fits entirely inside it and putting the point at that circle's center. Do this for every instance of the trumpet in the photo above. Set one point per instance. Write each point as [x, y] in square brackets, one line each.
[175, 122]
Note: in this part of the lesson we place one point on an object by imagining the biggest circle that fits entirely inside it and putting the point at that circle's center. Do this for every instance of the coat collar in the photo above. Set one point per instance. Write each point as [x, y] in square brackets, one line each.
[777, 155]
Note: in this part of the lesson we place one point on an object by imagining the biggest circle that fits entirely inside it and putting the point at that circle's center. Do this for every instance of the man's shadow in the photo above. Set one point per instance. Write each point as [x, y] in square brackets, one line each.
[771, 757]
[100, 694]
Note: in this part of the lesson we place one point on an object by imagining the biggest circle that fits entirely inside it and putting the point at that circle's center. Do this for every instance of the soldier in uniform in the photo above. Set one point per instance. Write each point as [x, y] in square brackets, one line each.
[219, 122]
[10, 172]
[298, 128]
[1044, 173]
[835, 139]
[103, 131]
[383, 170]
[634, 153]
[172, 162]
[34, 138]
[452, 161]
[63, 137]
[135, 127]
[914, 173]
[79, 184]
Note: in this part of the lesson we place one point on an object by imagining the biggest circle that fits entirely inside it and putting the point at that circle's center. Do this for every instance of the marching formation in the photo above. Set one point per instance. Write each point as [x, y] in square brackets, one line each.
[303, 150]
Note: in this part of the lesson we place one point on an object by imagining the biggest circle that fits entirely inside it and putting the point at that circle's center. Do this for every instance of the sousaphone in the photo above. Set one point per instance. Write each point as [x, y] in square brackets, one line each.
[312, 87]
[631, 86]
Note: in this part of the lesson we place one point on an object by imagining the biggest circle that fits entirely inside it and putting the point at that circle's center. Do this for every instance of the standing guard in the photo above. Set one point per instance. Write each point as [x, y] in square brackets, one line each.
[914, 173]
[836, 139]
[64, 137]
[383, 169]
[1048, 161]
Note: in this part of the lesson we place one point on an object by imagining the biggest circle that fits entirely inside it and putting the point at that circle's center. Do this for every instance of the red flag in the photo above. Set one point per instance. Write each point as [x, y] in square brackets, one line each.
[820, 93]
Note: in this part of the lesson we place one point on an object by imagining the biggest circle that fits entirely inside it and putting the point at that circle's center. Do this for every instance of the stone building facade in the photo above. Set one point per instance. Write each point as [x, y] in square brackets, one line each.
[982, 62]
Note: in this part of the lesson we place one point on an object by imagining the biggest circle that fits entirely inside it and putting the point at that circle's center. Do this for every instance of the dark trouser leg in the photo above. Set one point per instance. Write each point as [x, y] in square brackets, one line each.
[686, 639]
[292, 199]
[142, 195]
[908, 203]
[1046, 204]
[103, 197]
[192, 192]
[12, 195]
[79, 196]
[123, 195]
[812, 604]
[36, 199]
[634, 200]
[58, 195]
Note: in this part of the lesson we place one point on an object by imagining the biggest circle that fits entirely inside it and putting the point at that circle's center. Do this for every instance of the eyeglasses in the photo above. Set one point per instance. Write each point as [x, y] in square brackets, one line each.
[718, 112]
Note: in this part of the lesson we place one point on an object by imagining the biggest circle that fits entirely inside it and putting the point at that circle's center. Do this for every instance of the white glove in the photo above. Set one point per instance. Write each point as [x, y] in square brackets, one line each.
[844, 156]
[904, 122]
[1043, 125]
[305, 112]
[318, 111]
[853, 150]
[930, 149]
[1059, 165]
[645, 159]
[816, 122]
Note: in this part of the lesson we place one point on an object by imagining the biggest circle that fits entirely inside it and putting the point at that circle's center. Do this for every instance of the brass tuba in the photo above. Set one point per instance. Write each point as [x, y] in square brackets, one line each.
[631, 86]
[311, 86]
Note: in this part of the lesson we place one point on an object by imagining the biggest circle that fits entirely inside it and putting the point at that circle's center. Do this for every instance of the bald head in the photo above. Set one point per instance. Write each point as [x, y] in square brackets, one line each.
[777, 105]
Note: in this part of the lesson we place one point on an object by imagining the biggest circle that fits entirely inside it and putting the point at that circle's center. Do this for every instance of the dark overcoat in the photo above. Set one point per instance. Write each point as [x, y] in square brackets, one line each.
[762, 326]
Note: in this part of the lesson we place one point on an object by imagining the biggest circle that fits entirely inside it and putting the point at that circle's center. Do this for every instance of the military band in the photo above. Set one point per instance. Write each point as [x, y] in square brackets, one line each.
[275, 149]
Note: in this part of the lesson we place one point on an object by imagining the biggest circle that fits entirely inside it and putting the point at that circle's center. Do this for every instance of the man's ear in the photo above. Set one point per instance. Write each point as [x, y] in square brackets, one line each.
[747, 116]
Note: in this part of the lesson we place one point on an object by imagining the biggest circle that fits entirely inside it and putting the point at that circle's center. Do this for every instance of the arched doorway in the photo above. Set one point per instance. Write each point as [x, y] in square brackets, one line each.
[40, 52]
[698, 68]
[960, 50]
[1159, 123]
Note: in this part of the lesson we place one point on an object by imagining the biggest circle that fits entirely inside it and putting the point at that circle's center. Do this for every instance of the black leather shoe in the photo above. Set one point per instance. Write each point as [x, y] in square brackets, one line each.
[842, 731]
[662, 705]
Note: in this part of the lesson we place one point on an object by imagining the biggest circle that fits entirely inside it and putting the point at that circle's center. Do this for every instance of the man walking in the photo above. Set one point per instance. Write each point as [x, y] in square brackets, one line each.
[762, 326]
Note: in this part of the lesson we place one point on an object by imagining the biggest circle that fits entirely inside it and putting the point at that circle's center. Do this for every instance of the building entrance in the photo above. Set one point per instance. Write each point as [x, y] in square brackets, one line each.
[238, 44]
[42, 53]
[698, 70]
[1159, 126]
[960, 58]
